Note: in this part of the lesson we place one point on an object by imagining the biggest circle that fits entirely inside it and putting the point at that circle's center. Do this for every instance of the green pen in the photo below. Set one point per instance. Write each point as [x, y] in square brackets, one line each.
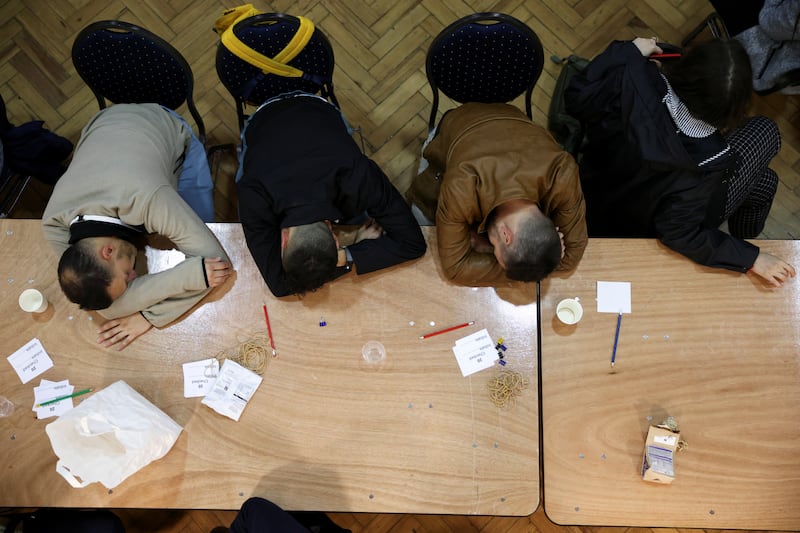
[54, 400]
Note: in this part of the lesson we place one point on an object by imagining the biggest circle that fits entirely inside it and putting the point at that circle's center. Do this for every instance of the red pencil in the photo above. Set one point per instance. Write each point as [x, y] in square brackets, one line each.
[269, 331]
[663, 56]
[465, 324]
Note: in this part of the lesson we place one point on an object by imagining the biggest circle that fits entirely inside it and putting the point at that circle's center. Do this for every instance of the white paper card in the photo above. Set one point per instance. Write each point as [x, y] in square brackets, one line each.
[613, 296]
[47, 390]
[199, 377]
[234, 387]
[30, 360]
[475, 352]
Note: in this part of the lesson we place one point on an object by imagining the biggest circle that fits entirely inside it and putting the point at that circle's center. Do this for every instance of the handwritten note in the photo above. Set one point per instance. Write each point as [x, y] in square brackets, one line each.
[30, 360]
[199, 377]
[613, 296]
[475, 352]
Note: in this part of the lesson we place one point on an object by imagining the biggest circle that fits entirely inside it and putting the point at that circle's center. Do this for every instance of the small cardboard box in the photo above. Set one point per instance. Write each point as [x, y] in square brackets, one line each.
[658, 464]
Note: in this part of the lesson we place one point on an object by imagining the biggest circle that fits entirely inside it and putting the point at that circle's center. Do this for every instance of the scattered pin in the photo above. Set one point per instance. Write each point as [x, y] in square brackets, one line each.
[30, 281]
[581, 455]
[9, 232]
[645, 337]
[411, 323]
[322, 322]
[11, 280]
[432, 323]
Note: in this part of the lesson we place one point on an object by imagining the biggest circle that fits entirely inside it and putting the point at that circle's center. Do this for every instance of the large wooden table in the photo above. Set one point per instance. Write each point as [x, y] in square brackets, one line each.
[718, 351]
[325, 430]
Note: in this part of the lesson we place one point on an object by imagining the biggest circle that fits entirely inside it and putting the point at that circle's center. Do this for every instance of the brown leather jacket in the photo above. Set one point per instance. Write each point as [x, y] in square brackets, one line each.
[482, 156]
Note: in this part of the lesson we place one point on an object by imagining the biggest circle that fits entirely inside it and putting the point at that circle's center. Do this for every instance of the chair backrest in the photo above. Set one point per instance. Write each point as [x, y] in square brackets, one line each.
[268, 34]
[484, 57]
[124, 63]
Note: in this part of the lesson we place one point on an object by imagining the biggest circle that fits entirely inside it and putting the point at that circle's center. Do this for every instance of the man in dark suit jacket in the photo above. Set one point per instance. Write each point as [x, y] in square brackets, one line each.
[300, 173]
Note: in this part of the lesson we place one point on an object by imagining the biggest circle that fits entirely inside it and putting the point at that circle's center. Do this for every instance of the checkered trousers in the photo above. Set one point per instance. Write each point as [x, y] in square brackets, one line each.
[752, 187]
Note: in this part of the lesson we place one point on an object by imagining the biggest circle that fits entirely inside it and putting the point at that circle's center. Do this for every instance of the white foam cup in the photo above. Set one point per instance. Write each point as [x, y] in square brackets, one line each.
[569, 311]
[32, 301]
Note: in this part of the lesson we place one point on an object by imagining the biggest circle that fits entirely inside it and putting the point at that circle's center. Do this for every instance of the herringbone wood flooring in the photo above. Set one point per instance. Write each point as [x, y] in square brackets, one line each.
[380, 82]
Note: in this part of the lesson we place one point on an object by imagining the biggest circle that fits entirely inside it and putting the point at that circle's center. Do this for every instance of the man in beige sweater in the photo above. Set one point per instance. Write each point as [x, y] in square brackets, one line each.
[121, 185]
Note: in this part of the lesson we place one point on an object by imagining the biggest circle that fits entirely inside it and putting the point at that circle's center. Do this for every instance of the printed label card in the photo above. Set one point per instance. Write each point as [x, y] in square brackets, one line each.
[475, 352]
[30, 360]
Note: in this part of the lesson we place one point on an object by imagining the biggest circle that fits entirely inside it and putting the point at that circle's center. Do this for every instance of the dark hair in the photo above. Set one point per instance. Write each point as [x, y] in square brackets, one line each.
[83, 278]
[714, 80]
[309, 258]
[536, 250]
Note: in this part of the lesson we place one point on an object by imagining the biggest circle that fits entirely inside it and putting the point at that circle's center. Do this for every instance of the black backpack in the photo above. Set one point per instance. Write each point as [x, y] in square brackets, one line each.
[31, 150]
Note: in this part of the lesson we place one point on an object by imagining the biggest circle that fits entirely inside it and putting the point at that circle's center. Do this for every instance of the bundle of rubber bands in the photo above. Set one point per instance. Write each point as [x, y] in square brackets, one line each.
[505, 387]
[253, 354]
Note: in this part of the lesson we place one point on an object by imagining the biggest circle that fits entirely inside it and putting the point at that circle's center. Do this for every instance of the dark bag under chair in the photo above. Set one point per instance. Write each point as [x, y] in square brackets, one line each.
[566, 129]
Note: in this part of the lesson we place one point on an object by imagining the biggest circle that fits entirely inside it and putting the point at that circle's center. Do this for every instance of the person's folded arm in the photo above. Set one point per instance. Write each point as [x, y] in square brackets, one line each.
[592, 92]
[163, 296]
[679, 225]
[169, 215]
[262, 233]
[57, 234]
[568, 211]
[455, 219]
[402, 238]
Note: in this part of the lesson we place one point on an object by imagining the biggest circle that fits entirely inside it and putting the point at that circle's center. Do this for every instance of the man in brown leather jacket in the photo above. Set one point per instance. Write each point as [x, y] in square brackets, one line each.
[506, 198]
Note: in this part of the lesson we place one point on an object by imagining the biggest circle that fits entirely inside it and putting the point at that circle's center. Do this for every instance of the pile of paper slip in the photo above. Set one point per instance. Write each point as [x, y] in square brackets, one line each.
[226, 390]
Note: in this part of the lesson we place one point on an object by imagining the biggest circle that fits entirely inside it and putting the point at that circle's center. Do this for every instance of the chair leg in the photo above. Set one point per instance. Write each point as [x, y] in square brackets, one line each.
[16, 186]
[713, 22]
[214, 155]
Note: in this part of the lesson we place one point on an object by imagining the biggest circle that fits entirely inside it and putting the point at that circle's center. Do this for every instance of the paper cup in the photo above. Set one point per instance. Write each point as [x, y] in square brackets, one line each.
[569, 311]
[32, 301]
[373, 352]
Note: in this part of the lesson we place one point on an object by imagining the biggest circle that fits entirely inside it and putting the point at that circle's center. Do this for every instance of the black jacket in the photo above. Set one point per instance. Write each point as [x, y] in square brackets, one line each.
[301, 166]
[640, 175]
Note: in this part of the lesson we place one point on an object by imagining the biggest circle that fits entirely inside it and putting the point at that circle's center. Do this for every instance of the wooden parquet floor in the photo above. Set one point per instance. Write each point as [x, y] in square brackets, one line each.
[380, 48]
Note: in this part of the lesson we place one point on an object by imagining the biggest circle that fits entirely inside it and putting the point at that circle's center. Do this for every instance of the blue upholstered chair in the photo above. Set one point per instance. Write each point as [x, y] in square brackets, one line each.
[268, 34]
[484, 57]
[123, 63]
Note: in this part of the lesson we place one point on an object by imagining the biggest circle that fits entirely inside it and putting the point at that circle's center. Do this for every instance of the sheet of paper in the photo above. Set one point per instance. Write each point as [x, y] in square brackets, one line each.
[47, 390]
[199, 377]
[30, 360]
[234, 387]
[475, 352]
[613, 296]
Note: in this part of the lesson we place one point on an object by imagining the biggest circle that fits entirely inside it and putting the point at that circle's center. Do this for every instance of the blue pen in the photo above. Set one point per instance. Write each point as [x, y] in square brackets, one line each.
[616, 338]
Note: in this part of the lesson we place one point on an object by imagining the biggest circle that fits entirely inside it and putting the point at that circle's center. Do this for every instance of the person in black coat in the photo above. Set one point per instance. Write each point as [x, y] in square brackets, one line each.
[300, 173]
[666, 155]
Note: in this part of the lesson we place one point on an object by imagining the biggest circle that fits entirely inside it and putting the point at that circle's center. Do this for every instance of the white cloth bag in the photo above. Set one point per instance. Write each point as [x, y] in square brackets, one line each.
[109, 436]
